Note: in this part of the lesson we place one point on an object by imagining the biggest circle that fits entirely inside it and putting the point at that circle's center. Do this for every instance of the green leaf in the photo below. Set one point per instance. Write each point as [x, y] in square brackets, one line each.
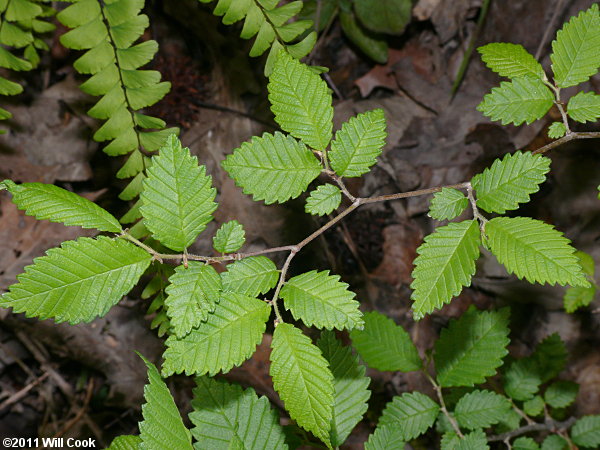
[224, 411]
[450, 441]
[578, 297]
[371, 44]
[301, 102]
[412, 412]
[561, 394]
[475, 440]
[556, 130]
[534, 406]
[322, 300]
[193, 293]
[227, 338]
[525, 443]
[550, 357]
[522, 380]
[534, 250]
[384, 345]
[445, 264]
[554, 442]
[510, 181]
[125, 443]
[481, 409]
[46, 201]
[575, 56]
[358, 144]
[273, 168]
[162, 427]
[384, 16]
[303, 380]
[230, 237]
[350, 387]
[447, 204]
[177, 200]
[584, 107]
[517, 101]
[510, 422]
[472, 347]
[79, 281]
[586, 431]
[510, 60]
[323, 200]
[251, 276]
[388, 437]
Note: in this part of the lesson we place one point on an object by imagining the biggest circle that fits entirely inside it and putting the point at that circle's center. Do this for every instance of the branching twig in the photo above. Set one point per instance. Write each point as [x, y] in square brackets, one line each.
[438, 391]
[549, 425]
[569, 137]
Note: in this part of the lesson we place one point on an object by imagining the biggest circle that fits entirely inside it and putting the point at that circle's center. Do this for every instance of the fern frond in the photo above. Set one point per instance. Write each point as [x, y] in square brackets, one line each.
[223, 411]
[251, 276]
[303, 380]
[79, 281]
[21, 23]
[162, 427]
[270, 25]
[350, 387]
[273, 168]
[108, 32]
[445, 264]
[178, 197]
[483, 336]
[510, 181]
[227, 338]
[534, 250]
[322, 300]
[575, 57]
[301, 102]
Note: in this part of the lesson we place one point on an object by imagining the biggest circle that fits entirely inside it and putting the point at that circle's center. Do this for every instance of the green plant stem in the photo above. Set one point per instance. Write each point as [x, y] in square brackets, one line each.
[438, 391]
[548, 425]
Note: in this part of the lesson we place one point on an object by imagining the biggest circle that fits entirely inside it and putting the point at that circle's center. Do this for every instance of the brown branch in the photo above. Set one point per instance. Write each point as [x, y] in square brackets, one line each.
[549, 425]
[567, 138]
